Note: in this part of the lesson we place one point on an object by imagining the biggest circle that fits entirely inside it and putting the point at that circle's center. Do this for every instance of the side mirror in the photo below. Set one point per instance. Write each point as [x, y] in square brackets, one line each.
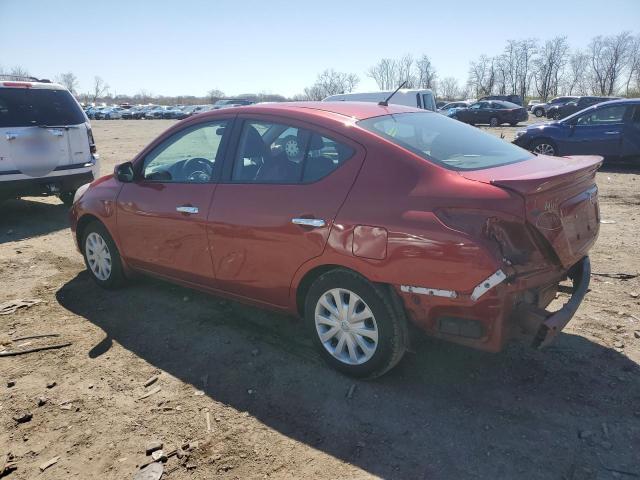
[124, 172]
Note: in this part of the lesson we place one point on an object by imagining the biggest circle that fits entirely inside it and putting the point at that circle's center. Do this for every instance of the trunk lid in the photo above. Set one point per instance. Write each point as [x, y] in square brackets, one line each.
[561, 199]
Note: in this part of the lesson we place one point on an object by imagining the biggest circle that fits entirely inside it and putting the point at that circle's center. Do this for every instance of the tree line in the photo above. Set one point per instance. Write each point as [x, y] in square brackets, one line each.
[609, 65]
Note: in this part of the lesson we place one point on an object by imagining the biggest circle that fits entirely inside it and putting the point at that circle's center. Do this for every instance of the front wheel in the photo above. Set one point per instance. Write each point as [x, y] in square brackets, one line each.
[538, 112]
[543, 147]
[356, 325]
[493, 122]
[101, 256]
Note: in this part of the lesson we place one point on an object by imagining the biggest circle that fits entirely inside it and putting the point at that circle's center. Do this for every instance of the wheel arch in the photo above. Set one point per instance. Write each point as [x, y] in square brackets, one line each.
[307, 279]
[82, 224]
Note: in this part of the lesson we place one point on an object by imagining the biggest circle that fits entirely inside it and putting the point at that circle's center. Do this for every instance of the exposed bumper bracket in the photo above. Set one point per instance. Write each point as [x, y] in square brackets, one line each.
[487, 284]
[580, 275]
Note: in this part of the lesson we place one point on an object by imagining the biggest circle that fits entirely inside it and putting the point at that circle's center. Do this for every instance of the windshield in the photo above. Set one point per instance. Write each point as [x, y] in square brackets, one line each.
[445, 141]
[25, 107]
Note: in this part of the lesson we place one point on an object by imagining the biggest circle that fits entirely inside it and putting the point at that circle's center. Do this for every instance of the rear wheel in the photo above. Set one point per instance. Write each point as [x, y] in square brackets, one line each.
[356, 325]
[493, 122]
[543, 146]
[513, 124]
[101, 256]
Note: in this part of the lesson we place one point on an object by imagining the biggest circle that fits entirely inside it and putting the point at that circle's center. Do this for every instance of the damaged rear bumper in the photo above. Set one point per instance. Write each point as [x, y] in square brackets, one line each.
[551, 323]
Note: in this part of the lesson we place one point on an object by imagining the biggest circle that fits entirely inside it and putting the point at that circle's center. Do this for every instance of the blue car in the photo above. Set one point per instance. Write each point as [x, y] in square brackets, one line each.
[610, 129]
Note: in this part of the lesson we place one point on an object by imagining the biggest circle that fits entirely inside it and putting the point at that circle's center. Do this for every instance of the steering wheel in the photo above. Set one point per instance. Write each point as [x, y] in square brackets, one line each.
[197, 170]
[292, 148]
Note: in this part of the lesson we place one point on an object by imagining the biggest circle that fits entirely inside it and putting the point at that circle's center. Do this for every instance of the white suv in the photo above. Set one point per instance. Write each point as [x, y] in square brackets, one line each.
[46, 144]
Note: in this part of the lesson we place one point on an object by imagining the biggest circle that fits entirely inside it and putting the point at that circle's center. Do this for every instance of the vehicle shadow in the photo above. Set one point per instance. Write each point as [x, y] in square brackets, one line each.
[444, 412]
[20, 219]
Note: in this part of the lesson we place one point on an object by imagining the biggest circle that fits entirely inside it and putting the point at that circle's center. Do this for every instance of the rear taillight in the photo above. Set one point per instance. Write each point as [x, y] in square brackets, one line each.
[92, 143]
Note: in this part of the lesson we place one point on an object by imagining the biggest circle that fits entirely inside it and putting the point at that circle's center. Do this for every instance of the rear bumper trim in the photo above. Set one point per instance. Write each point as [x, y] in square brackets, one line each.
[580, 275]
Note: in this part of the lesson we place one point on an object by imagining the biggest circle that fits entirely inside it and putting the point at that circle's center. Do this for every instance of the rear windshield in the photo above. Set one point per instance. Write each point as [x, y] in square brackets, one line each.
[445, 141]
[25, 107]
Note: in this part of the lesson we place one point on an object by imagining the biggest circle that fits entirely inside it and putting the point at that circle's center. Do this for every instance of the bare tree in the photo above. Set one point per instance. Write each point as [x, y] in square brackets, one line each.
[19, 71]
[100, 88]
[385, 74]
[404, 72]
[425, 73]
[448, 88]
[608, 56]
[215, 94]
[633, 65]
[482, 76]
[577, 83]
[330, 83]
[69, 81]
[548, 66]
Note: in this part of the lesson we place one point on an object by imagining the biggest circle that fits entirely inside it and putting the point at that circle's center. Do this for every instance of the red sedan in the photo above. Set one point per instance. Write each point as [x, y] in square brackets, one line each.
[358, 217]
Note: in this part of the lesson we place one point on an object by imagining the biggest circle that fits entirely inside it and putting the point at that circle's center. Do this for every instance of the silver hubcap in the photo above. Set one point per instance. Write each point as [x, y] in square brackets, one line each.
[98, 256]
[544, 149]
[346, 326]
[494, 122]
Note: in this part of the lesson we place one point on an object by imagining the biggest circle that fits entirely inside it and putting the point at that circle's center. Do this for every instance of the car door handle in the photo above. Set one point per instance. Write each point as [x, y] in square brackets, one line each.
[611, 133]
[187, 209]
[309, 222]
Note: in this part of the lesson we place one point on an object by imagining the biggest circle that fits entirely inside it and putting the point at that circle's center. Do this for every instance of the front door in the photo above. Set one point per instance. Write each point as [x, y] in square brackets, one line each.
[276, 207]
[164, 212]
[598, 132]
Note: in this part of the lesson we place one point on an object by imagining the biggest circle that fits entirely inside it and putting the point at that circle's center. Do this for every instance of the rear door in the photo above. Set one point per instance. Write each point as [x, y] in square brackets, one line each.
[598, 132]
[41, 130]
[281, 192]
[631, 133]
[162, 215]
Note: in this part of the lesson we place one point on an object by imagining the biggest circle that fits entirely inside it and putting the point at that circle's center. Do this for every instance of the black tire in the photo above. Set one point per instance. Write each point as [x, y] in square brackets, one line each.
[538, 143]
[389, 317]
[513, 124]
[67, 198]
[494, 122]
[116, 277]
[538, 112]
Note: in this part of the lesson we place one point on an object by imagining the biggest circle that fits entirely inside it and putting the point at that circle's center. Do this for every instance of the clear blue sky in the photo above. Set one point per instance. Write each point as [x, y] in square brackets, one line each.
[241, 46]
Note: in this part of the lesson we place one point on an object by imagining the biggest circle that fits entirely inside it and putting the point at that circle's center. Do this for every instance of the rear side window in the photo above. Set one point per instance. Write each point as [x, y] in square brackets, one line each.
[444, 141]
[26, 107]
[279, 153]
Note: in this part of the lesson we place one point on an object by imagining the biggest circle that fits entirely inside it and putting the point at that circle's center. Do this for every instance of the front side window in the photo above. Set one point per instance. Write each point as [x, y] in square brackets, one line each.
[277, 153]
[188, 157]
[603, 116]
[444, 141]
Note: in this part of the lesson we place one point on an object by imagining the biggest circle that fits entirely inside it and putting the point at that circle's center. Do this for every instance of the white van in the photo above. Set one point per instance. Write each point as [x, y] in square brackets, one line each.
[46, 143]
[423, 98]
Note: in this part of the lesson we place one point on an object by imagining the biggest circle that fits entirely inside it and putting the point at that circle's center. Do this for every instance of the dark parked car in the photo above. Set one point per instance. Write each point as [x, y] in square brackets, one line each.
[134, 113]
[448, 106]
[505, 98]
[559, 111]
[540, 109]
[610, 129]
[493, 112]
[462, 248]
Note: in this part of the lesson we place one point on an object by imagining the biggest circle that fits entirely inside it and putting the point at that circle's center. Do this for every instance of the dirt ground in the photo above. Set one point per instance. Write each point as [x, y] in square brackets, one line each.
[248, 388]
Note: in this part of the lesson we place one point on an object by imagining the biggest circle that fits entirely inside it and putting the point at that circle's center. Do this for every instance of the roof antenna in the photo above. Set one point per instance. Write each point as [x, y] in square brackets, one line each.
[385, 103]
